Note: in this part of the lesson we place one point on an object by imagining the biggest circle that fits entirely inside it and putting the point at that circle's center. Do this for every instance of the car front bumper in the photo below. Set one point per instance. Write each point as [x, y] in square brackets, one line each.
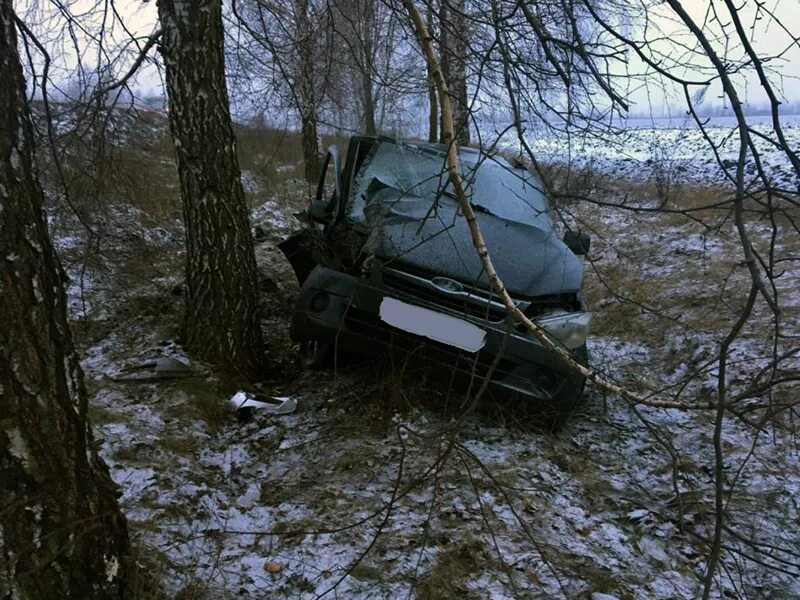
[343, 309]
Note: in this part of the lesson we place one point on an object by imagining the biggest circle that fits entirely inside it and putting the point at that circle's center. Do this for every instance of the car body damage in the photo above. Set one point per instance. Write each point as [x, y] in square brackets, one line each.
[387, 262]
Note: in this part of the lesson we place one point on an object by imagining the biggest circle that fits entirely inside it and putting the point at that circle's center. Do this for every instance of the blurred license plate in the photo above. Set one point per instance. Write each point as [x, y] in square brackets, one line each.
[433, 325]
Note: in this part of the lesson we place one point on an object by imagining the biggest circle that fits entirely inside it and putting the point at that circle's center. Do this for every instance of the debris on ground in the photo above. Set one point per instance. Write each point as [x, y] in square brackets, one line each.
[275, 405]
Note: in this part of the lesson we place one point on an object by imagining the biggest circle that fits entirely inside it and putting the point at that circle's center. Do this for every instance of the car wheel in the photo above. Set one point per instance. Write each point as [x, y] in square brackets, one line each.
[569, 398]
[547, 415]
[555, 416]
[316, 354]
[552, 414]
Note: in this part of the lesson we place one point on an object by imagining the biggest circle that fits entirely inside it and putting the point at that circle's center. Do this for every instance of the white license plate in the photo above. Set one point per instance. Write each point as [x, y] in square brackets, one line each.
[433, 325]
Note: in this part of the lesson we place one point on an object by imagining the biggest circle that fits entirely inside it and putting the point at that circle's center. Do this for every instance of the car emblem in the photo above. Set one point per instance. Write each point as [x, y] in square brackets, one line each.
[447, 285]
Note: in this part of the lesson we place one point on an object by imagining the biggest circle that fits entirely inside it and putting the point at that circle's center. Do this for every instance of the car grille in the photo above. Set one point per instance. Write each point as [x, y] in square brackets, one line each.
[369, 325]
[475, 305]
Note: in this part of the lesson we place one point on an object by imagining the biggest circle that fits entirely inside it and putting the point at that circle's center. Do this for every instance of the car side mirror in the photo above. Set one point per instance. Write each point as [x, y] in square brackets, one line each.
[319, 211]
[577, 242]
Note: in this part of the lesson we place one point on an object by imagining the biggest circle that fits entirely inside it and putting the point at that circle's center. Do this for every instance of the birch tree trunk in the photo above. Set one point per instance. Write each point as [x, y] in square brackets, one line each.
[61, 531]
[222, 323]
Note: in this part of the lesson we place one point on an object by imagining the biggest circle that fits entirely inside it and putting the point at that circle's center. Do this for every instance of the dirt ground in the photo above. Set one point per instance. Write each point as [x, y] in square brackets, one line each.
[380, 487]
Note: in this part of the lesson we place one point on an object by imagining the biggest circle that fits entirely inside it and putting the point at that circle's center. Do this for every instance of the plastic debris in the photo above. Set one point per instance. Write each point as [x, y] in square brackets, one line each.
[276, 405]
[164, 367]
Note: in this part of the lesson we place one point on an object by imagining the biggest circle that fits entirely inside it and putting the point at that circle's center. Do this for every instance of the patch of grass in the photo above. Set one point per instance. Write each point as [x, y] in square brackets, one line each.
[598, 577]
[275, 157]
[148, 566]
[102, 415]
[146, 180]
[204, 399]
[180, 444]
[365, 572]
[138, 452]
[200, 590]
[454, 567]
[275, 493]
[632, 304]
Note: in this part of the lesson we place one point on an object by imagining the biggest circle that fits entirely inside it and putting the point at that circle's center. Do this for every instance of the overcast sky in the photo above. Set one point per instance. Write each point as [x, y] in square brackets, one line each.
[767, 36]
[769, 40]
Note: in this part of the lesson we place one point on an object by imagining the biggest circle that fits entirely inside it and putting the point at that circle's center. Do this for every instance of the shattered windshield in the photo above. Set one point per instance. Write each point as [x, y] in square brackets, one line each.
[416, 171]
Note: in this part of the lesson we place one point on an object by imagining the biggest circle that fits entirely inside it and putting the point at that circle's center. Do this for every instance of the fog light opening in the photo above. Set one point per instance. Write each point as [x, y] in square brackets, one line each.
[320, 302]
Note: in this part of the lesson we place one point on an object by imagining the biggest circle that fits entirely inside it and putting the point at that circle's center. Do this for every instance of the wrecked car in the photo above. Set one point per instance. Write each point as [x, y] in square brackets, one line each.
[387, 262]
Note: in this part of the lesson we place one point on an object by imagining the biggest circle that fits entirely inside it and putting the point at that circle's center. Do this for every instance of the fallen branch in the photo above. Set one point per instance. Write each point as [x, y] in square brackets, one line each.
[448, 138]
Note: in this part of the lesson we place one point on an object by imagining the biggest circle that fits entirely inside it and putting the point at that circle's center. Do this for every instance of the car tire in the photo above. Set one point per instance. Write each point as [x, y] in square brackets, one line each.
[551, 415]
[316, 353]
[553, 418]
[570, 397]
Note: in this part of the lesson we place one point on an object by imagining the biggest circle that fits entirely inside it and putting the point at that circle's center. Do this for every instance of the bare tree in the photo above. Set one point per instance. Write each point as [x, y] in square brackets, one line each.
[308, 104]
[358, 24]
[364, 72]
[61, 531]
[222, 317]
[285, 52]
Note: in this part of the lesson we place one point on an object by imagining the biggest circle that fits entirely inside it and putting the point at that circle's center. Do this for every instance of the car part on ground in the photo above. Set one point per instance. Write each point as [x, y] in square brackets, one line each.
[163, 367]
[276, 405]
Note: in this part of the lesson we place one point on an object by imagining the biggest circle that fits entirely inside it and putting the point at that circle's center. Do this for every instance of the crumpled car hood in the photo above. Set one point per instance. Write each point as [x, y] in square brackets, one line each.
[406, 230]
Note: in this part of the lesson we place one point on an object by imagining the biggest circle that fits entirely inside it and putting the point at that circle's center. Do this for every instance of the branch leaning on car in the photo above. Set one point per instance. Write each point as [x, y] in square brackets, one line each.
[448, 138]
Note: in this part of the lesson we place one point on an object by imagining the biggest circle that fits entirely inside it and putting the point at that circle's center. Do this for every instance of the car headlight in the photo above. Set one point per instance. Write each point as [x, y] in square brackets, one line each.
[570, 328]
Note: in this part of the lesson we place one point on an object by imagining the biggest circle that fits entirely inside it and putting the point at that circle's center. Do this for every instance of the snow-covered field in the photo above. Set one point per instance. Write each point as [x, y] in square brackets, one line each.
[370, 491]
[674, 149]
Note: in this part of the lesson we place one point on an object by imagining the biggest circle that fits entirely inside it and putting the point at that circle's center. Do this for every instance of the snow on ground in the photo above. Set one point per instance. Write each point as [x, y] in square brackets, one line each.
[286, 506]
[674, 151]
[371, 490]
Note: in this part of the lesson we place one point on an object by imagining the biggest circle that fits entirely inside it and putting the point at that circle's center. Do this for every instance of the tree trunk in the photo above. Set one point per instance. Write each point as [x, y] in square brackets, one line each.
[308, 105]
[311, 150]
[433, 118]
[368, 99]
[433, 105]
[61, 531]
[453, 50]
[222, 322]
[368, 41]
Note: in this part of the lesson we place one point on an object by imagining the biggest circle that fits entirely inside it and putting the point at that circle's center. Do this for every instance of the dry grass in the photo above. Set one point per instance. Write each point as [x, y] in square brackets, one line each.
[141, 172]
[203, 400]
[275, 156]
[146, 181]
[631, 304]
[641, 281]
[147, 569]
[454, 567]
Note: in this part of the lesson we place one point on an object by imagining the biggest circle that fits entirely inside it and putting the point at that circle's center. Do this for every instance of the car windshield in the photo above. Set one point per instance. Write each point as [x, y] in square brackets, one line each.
[492, 184]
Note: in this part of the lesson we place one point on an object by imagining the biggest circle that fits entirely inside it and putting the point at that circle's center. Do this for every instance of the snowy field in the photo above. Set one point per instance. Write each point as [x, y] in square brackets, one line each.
[368, 491]
[647, 149]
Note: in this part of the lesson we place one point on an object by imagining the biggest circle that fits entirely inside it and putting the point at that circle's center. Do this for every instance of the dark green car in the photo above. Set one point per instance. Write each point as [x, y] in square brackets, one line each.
[387, 262]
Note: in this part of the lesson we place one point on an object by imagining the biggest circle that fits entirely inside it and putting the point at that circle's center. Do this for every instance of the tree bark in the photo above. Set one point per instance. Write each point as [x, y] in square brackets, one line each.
[61, 531]
[433, 105]
[308, 106]
[222, 323]
[433, 114]
[368, 41]
[453, 50]
[370, 128]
